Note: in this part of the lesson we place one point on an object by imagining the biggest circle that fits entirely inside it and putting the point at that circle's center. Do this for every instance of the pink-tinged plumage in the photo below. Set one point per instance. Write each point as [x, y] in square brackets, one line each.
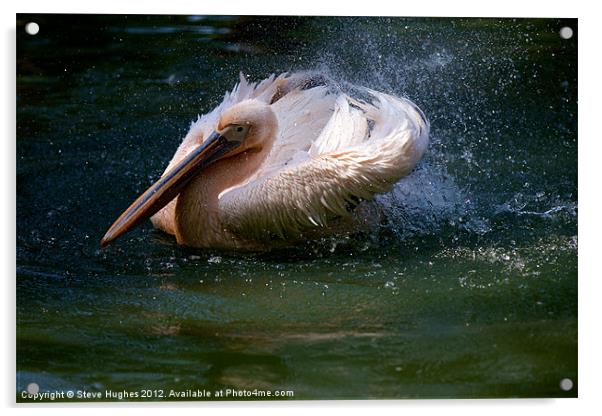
[311, 151]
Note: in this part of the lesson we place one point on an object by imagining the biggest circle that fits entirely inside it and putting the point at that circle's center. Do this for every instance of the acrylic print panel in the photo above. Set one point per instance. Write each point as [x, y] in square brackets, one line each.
[451, 274]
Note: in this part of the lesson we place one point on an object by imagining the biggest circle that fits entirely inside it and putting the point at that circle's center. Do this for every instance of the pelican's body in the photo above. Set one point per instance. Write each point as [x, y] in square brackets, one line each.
[303, 153]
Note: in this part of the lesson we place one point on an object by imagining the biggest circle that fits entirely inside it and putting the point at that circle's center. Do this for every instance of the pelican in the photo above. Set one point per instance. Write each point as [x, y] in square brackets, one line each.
[281, 160]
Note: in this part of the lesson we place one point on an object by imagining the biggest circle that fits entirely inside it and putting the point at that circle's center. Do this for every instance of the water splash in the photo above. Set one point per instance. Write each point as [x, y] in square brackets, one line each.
[425, 201]
[475, 159]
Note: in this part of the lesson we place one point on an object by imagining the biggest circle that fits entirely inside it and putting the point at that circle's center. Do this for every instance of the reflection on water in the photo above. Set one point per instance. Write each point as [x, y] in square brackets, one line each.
[467, 289]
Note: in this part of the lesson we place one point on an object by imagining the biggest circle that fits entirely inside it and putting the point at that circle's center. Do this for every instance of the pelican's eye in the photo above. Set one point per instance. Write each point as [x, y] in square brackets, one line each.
[235, 132]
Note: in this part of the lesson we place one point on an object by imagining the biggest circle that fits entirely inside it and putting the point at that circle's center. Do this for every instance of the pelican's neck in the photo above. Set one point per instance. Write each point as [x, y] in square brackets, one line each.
[197, 221]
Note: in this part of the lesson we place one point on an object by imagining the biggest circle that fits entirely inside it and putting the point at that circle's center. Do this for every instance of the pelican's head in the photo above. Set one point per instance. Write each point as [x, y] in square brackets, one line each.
[248, 126]
[252, 123]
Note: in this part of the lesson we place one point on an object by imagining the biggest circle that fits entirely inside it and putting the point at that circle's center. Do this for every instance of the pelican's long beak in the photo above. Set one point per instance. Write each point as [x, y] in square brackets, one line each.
[170, 185]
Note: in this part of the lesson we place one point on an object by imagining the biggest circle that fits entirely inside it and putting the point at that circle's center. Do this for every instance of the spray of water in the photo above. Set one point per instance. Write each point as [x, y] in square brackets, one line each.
[464, 80]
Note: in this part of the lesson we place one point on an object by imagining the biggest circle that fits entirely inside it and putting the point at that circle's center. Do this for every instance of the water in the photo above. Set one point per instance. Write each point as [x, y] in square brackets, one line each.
[467, 289]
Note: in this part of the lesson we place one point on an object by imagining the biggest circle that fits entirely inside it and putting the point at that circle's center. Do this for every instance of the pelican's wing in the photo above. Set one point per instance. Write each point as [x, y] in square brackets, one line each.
[349, 160]
[302, 115]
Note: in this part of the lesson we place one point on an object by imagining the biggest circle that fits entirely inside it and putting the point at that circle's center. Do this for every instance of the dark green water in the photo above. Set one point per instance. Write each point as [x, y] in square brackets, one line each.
[469, 289]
